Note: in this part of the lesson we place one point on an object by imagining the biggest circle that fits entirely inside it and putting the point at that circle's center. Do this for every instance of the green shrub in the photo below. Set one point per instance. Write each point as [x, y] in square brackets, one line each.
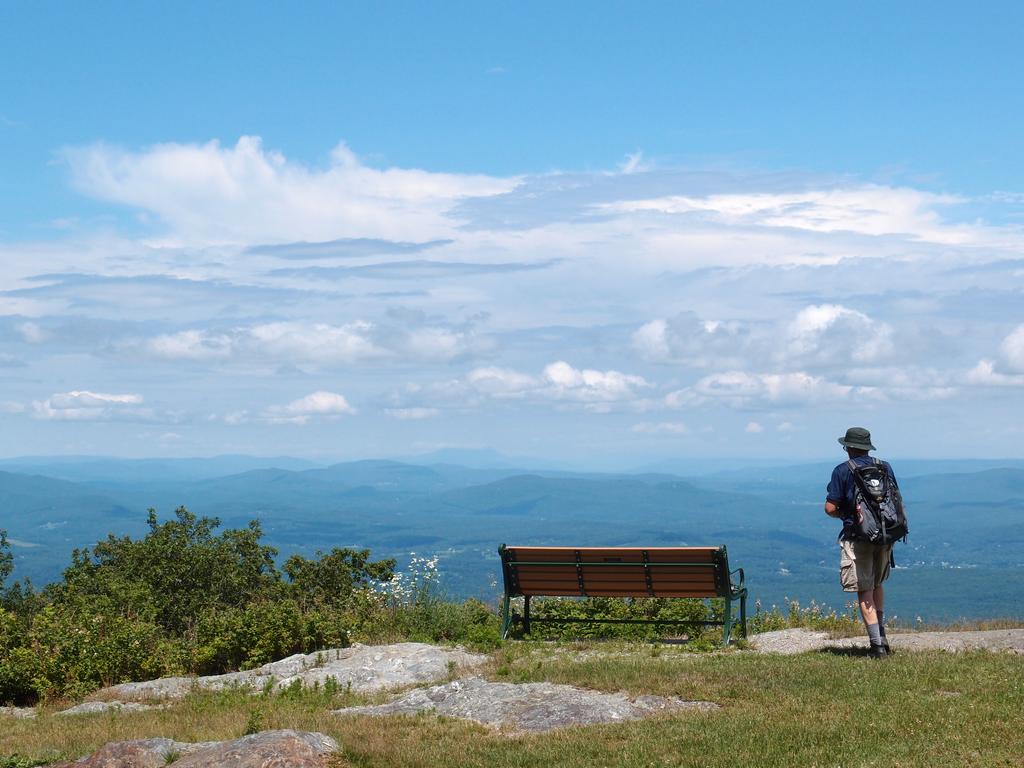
[19, 671]
[253, 635]
[81, 650]
[678, 617]
[813, 616]
[177, 571]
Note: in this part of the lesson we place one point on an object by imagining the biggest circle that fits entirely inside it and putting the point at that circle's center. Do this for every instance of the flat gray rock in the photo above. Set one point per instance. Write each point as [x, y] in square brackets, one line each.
[788, 641]
[19, 712]
[526, 706]
[365, 668]
[95, 707]
[269, 749]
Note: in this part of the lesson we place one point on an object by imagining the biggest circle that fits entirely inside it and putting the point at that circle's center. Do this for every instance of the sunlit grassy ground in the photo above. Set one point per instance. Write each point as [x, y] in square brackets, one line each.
[817, 709]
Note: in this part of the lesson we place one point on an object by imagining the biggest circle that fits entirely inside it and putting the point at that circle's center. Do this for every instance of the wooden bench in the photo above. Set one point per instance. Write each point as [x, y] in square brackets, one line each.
[700, 572]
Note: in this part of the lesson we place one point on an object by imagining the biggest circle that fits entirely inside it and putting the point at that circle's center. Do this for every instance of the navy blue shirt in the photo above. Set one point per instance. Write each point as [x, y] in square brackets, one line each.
[842, 491]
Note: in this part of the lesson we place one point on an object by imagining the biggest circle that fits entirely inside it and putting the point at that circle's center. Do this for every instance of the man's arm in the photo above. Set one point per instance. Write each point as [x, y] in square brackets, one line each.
[836, 490]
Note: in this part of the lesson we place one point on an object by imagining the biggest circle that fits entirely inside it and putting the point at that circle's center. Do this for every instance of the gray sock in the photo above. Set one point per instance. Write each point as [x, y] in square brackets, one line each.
[881, 623]
[876, 638]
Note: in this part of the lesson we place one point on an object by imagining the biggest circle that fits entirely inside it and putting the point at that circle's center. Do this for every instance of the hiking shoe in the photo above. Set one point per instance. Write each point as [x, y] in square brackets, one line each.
[878, 652]
[885, 644]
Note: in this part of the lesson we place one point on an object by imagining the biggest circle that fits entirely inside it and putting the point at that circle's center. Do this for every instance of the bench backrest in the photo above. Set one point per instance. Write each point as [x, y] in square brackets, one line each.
[615, 571]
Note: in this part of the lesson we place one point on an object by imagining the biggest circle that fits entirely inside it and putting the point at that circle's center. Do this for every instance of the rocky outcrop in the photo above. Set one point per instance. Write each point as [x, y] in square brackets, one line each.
[364, 668]
[269, 749]
[526, 706]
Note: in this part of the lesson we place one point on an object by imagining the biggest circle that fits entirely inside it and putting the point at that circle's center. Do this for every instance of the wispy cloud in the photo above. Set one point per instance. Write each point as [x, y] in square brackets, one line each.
[421, 269]
[318, 344]
[83, 405]
[866, 210]
[345, 248]
[413, 414]
[699, 297]
[207, 193]
[661, 428]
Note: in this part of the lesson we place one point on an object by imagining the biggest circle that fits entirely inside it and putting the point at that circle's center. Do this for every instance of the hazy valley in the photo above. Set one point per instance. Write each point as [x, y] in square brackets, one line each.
[963, 559]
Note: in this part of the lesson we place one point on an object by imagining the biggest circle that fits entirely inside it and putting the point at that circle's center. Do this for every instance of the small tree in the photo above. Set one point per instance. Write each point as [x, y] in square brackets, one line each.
[177, 571]
[6, 558]
[332, 578]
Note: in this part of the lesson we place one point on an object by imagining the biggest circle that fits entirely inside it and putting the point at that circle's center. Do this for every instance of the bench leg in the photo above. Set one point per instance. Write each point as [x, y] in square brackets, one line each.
[727, 622]
[526, 614]
[506, 617]
[743, 613]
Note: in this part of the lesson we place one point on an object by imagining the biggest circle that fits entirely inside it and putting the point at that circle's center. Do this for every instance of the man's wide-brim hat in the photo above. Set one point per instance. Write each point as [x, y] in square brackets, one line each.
[857, 437]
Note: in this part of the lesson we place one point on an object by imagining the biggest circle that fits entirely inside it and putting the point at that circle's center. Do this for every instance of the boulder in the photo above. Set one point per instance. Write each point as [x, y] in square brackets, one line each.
[527, 706]
[142, 753]
[269, 749]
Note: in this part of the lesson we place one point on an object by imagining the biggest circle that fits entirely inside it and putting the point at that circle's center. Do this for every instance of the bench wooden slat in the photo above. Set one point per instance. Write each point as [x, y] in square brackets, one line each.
[623, 554]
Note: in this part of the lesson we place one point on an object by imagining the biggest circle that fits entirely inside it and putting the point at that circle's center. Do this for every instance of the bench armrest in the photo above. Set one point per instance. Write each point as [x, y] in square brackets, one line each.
[738, 586]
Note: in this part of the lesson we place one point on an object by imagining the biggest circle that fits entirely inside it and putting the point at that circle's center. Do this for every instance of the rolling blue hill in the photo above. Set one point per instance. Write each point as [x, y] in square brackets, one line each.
[966, 532]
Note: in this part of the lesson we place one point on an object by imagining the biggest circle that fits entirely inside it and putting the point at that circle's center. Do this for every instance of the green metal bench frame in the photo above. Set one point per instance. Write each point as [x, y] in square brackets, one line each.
[725, 587]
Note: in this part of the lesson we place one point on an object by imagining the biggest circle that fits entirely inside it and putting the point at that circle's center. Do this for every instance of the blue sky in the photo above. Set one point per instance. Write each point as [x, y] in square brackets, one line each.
[601, 232]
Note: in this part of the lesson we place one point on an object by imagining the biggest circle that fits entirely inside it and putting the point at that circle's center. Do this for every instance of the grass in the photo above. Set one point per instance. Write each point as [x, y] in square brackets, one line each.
[816, 709]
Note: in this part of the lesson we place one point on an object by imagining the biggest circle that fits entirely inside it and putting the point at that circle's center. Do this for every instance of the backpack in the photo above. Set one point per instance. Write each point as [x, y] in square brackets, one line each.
[880, 517]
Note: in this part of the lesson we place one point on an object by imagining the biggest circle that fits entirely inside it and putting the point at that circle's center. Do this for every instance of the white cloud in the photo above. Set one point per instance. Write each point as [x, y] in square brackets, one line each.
[190, 345]
[1012, 350]
[867, 209]
[32, 333]
[565, 382]
[661, 428]
[907, 381]
[985, 374]
[753, 428]
[686, 339]
[83, 405]
[1005, 371]
[207, 193]
[818, 336]
[634, 163]
[501, 382]
[412, 414]
[320, 404]
[741, 390]
[317, 343]
[558, 381]
[831, 334]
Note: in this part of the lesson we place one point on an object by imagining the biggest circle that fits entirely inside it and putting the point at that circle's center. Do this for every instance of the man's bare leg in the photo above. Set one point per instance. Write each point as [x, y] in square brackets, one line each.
[878, 598]
[867, 605]
[869, 613]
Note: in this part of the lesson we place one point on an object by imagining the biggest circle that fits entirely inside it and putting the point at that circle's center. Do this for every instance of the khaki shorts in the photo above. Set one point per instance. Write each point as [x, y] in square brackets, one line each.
[863, 565]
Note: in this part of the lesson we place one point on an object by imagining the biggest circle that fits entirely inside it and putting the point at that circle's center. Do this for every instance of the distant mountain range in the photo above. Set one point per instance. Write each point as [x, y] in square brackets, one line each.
[964, 557]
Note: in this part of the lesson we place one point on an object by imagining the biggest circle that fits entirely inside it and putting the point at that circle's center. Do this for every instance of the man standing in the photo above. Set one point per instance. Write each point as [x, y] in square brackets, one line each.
[863, 565]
